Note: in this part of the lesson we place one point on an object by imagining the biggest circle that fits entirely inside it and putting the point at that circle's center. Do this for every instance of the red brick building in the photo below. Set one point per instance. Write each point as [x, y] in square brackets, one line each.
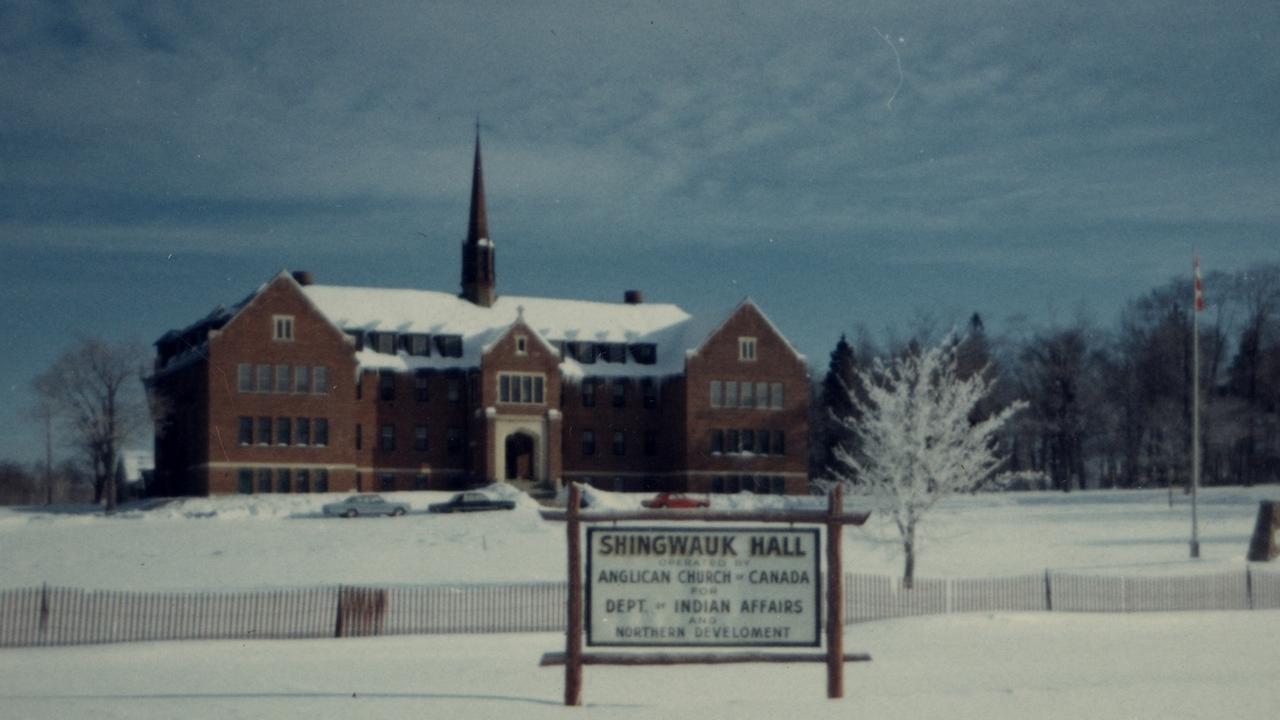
[303, 387]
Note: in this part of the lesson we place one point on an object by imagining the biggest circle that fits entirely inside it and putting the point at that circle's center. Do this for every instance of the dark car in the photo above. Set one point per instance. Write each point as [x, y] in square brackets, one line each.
[357, 505]
[675, 501]
[471, 502]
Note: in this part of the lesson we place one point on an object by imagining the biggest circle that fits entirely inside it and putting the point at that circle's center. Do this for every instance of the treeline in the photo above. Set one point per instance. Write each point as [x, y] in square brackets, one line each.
[1111, 406]
[31, 485]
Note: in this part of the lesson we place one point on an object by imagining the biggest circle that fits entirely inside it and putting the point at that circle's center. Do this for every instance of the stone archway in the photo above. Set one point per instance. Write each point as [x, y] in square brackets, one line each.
[520, 457]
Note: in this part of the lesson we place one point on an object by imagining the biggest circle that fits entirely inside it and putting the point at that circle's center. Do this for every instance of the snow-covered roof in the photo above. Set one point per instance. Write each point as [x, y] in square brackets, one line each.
[437, 313]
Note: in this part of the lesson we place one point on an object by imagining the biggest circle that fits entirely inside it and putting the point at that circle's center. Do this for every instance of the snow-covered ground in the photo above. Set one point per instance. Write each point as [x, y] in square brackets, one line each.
[1044, 666]
[993, 666]
[283, 540]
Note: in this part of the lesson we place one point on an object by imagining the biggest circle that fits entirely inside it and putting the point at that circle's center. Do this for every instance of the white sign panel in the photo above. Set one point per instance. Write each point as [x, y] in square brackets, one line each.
[703, 586]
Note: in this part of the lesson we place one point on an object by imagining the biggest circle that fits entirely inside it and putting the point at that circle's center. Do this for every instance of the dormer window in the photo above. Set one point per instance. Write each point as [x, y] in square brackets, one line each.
[644, 353]
[387, 343]
[420, 345]
[282, 327]
[522, 345]
[449, 345]
[746, 349]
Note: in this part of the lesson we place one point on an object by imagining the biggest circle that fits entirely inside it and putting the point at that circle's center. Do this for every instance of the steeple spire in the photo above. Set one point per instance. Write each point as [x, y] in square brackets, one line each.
[478, 280]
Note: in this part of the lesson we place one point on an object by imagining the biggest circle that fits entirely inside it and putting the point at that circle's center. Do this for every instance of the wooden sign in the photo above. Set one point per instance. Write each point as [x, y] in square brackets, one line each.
[680, 586]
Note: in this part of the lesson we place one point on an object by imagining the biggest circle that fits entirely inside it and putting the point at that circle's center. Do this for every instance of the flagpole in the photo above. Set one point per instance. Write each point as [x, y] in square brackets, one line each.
[1196, 307]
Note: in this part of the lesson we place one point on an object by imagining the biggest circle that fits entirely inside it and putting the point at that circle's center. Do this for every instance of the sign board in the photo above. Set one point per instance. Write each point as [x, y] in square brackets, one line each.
[676, 586]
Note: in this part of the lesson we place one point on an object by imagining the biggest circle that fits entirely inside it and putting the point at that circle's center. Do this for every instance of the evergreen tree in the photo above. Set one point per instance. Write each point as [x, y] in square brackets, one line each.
[839, 389]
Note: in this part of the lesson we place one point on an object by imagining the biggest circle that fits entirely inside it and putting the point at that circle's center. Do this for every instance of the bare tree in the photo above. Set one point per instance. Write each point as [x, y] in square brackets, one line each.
[94, 390]
[917, 442]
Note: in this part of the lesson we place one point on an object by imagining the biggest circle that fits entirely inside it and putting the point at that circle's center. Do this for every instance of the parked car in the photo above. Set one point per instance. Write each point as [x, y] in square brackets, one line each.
[357, 505]
[675, 501]
[471, 502]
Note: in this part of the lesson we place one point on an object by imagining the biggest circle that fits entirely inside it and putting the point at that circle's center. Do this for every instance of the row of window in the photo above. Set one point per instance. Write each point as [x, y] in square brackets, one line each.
[387, 438]
[618, 392]
[417, 344]
[282, 480]
[284, 431]
[734, 394]
[300, 379]
[756, 442]
[758, 484]
[618, 446]
[520, 388]
[421, 386]
[588, 353]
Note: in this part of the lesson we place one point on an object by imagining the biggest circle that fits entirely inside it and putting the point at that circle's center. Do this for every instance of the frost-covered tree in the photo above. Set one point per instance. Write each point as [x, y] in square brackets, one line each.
[917, 441]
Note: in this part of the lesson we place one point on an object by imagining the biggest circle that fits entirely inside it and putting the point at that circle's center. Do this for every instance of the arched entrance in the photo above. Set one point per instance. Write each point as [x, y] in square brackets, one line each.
[520, 457]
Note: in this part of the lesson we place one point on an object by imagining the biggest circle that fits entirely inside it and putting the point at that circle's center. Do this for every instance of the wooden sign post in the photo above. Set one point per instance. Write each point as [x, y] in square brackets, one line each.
[775, 542]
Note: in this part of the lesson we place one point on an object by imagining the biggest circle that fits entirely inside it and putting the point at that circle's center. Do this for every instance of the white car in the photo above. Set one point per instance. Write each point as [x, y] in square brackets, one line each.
[357, 505]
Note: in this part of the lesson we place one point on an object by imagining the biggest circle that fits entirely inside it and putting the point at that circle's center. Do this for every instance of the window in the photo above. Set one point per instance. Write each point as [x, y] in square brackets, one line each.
[588, 442]
[304, 481]
[320, 374]
[283, 436]
[282, 326]
[619, 443]
[283, 482]
[388, 482]
[779, 485]
[775, 396]
[620, 392]
[386, 385]
[359, 436]
[420, 438]
[246, 431]
[453, 440]
[717, 442]
[284, 380]
[522, 345]
[650, 443]
[244, 378]
[583, 352]
[302, 431]
[762, 439]
[731, 394]
[421, 386]
[717, 394]
[454, 390]
[421, 482]
[613, 352]
[449, 345]
[731, 442]
[779, 443]
[245, 484]
[321, 428]
[589, 393]
[387, 438]
[746, 399]
[322, 481]
[386, 343]
[264, 378]
[649, 393]
[420, 345]
[762, 395]
[747, 349]
[264, 480]
[264, 431]
[717, 484]
[644, 353]
[748, 439]
[357, 336]
[302, 379]
[521, 388]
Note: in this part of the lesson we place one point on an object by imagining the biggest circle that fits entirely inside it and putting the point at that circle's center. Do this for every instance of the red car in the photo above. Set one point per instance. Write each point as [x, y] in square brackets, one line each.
[675, 500]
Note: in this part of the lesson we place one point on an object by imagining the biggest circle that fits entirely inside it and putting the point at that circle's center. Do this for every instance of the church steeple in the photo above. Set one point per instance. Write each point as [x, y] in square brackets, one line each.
[478, 280]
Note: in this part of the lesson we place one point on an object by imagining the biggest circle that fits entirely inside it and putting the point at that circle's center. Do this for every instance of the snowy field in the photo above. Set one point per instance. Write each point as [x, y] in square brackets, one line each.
[1014, 667]
[991, 666]
[247, 542]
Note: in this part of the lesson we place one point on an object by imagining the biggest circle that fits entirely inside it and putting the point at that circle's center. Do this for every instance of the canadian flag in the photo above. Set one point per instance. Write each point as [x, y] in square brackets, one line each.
[1195, 265]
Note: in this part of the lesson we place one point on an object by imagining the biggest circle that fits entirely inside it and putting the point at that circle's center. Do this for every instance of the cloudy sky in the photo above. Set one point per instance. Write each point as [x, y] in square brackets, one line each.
[842, 163]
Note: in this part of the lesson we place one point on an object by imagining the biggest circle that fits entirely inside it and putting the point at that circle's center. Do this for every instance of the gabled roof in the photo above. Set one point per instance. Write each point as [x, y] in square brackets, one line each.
[438, 313]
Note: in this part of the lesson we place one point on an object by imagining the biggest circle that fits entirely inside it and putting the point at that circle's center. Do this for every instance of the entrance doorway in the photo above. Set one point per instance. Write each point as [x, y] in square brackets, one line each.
[520, 456]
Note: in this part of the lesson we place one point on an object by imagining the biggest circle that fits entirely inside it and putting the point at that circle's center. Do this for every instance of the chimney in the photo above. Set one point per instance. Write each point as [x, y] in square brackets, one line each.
[633, 297]
[303, 277]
